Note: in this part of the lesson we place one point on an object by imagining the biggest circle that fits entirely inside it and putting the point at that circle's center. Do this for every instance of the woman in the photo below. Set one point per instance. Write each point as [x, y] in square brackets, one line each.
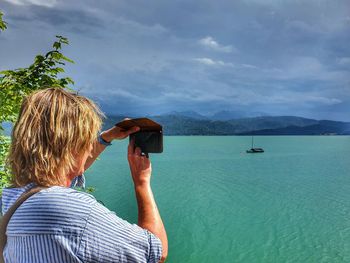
[55, 139]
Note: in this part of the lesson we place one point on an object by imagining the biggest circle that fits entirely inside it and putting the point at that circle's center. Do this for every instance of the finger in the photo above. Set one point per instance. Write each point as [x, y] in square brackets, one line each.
[147, 163]
[131, 147]
[132, 130]
[120, 130]
[138, 151]
[145, 159]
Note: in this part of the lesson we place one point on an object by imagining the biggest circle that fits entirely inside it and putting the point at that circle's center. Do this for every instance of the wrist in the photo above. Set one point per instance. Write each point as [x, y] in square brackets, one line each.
[106, 137]
[142, 186]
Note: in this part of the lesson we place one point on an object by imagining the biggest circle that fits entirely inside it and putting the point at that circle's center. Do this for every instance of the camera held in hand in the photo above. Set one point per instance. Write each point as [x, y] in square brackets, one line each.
[150, 136]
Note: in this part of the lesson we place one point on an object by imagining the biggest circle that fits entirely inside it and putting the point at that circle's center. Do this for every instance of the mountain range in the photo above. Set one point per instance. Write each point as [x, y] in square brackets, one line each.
[223, 123]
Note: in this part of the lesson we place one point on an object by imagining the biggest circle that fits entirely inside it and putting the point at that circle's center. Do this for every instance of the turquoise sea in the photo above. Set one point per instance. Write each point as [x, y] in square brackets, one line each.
[219, 204]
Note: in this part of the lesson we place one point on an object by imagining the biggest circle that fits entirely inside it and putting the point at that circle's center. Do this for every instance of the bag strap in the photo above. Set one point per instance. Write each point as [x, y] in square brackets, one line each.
[7, 216]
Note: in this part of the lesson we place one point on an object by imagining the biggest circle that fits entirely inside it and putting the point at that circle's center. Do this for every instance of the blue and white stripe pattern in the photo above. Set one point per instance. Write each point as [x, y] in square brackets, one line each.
[61, 225]
[78, 181]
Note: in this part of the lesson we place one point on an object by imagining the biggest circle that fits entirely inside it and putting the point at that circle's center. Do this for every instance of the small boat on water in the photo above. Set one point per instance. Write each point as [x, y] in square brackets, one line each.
[255, 150]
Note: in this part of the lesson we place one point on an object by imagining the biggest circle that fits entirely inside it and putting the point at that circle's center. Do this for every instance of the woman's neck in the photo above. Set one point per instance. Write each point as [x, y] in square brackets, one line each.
[69, 179]
[68, 182]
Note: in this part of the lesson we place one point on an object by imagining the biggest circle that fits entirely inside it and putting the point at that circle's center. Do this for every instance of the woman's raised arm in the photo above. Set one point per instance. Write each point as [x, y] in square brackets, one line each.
[114, 133]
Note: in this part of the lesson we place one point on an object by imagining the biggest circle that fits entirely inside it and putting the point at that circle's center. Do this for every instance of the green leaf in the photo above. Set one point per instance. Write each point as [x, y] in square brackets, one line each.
[16, 84]
[2, 23]
[56, 45]
[39, 59]
[67, 59]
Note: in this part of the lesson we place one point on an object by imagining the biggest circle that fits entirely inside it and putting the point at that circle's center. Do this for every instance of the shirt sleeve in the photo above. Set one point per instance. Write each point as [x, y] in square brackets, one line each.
[108, 238]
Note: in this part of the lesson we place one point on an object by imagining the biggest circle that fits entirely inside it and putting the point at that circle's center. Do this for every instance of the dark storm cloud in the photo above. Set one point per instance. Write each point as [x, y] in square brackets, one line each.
[77, 20]
[277, 57]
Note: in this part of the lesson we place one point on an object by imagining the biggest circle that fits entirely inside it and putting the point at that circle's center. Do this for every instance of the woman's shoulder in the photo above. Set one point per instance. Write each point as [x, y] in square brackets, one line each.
[69, 193]
[64, 198]
[53, 197]
[54, 210]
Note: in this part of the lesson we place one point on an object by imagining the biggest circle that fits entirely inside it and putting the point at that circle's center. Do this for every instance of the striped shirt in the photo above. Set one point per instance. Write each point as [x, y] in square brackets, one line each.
[60, 224]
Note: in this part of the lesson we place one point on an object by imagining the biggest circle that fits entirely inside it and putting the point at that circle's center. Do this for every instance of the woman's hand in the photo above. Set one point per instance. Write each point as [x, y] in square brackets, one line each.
[140, 166]
[118, 133]
[148, 214]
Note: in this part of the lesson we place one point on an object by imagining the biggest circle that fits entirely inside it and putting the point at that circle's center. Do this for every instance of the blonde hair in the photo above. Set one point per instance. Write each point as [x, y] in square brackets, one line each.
[53, 126]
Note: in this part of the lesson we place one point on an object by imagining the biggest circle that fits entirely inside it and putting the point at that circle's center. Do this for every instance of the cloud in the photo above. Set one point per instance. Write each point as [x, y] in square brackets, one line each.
[249, 66]
[45, 3]
[89, 90]
[138, 28]
[304, 98]
[326, 101]
[291, 60]
[210, 62]
[344, 61]
[210, 43]
[306, 68]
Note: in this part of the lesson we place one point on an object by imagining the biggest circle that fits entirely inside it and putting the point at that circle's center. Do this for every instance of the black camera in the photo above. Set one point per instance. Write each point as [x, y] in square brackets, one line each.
[150, 136]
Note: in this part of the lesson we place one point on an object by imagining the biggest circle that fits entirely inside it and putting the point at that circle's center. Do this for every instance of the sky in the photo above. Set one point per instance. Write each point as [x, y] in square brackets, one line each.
[269, 57]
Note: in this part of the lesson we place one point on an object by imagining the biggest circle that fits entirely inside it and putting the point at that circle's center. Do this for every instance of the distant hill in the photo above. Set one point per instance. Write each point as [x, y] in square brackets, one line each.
[262, 123]
[231, 115]
[177, 124]
[322, 128]
[189, 114]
